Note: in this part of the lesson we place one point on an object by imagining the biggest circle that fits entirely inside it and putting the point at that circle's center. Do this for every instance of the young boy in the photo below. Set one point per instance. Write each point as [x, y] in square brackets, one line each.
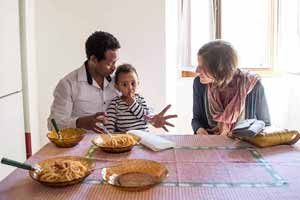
[128, 111]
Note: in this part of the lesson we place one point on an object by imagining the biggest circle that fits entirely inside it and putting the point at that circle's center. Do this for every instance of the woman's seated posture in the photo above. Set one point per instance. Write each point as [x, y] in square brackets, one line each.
[223, 94]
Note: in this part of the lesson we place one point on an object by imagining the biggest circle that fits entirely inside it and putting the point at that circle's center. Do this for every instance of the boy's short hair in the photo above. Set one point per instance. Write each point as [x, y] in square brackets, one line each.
[98, 43]
[124, 68]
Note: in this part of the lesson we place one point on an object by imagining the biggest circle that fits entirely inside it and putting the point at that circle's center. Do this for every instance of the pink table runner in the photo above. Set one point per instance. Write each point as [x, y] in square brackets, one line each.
[201, 167]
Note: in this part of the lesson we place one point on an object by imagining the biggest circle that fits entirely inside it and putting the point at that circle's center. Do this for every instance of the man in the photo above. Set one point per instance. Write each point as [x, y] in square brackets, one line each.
[81, 97]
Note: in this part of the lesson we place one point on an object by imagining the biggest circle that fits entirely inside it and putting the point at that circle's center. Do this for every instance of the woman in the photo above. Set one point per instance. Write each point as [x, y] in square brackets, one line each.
[223, 94]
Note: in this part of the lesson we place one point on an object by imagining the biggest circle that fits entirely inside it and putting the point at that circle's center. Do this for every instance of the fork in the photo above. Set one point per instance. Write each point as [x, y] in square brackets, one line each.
[100, 125]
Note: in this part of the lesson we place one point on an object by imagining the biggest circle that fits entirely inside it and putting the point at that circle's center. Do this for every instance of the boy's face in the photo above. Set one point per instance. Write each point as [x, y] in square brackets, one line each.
[127, 84]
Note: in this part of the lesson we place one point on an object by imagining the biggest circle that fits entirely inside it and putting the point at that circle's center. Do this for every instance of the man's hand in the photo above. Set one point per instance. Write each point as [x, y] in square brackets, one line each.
[160, 120]
[89, 122]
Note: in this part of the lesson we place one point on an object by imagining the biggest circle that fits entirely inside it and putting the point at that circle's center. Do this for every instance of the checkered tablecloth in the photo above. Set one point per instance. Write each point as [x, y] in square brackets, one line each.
[200, 167]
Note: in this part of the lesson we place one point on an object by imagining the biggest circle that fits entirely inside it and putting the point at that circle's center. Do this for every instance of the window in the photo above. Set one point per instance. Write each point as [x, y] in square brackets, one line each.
[250, 25]
[201, 30]
[289, 36]
[247, 26]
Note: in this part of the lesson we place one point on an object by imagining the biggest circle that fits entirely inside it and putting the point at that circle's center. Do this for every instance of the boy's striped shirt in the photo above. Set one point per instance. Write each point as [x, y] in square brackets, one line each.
[122, 117]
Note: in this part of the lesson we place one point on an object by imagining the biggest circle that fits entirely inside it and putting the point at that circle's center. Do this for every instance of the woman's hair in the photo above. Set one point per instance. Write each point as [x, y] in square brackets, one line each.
[98, 43]
[220, 61]
[124, 68]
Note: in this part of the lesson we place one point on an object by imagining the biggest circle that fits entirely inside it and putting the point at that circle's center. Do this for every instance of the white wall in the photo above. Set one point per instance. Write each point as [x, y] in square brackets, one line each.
[284, 100]
[12, 143]
[10, 64]
[61, 28]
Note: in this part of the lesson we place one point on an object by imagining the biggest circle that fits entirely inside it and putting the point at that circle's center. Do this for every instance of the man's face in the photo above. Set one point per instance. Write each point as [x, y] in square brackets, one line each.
[107, 66]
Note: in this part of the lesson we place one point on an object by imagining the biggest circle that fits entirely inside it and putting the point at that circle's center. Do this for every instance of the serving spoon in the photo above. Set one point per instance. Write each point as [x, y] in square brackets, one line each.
[17, 164]
[56, 128]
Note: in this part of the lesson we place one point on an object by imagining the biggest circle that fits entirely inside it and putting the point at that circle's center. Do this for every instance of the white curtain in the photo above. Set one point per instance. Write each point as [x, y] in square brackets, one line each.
[203, 26]
[289, 36]
[184, 40]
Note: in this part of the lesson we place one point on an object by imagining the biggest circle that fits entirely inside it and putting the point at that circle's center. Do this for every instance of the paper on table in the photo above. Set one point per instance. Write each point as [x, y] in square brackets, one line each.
[152, 141]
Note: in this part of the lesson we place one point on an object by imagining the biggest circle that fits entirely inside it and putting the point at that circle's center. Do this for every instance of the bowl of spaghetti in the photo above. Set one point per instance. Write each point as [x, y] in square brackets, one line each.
[69, 137]
[117, 143]
[63, 171]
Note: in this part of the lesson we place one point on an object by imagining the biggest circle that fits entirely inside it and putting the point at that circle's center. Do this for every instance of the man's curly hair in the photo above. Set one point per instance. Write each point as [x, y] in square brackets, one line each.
[98, 43]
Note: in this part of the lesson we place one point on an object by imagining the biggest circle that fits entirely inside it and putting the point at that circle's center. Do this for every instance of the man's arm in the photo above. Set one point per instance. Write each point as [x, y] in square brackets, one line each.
[62, 106]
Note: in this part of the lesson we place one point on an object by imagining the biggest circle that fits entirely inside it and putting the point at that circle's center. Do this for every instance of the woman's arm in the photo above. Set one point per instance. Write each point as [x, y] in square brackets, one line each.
[262, 108]
[256, 104]
[199, 116]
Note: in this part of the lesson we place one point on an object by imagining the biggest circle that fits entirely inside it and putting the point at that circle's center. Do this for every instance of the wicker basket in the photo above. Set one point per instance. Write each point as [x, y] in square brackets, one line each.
[272, 138]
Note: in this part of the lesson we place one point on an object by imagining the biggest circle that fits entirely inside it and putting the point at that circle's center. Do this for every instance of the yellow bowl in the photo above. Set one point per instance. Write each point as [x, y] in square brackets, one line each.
[70, 137]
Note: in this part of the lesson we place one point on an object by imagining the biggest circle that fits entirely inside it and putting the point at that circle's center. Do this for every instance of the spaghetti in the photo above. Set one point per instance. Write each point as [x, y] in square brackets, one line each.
[120, 141]
[63, 171]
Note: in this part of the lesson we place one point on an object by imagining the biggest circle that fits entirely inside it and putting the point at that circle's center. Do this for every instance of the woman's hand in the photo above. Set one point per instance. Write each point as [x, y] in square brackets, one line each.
[201, 131]
[214, 131]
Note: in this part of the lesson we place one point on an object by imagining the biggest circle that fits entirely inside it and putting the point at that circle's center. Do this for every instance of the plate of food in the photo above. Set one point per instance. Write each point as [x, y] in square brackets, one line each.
[115, 143]
[135, 175]
[62, 171]
[58, 171]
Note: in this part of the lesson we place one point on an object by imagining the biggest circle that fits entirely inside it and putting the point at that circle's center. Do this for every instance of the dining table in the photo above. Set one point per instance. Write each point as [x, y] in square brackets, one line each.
[199, 167]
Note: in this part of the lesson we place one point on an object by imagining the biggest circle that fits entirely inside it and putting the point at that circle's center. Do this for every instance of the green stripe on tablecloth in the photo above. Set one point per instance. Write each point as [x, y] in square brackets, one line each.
[91, 151]
[258, 157]
[205, 184]
[278, 180]
[209, 147]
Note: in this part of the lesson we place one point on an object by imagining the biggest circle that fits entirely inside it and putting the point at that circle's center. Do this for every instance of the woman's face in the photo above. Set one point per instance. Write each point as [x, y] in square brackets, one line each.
[205, 77]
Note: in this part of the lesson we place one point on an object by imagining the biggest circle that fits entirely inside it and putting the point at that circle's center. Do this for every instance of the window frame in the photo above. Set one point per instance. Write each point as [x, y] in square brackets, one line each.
[272, 38]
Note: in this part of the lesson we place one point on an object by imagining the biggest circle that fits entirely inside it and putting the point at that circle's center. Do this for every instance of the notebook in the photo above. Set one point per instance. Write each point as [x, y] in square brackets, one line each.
[152, 141]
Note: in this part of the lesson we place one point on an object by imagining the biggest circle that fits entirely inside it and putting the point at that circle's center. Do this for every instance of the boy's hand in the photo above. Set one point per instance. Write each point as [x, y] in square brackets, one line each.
[160, 120]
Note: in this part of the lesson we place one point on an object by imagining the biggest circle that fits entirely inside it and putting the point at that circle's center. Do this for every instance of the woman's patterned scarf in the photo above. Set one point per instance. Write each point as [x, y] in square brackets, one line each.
[227, 105]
